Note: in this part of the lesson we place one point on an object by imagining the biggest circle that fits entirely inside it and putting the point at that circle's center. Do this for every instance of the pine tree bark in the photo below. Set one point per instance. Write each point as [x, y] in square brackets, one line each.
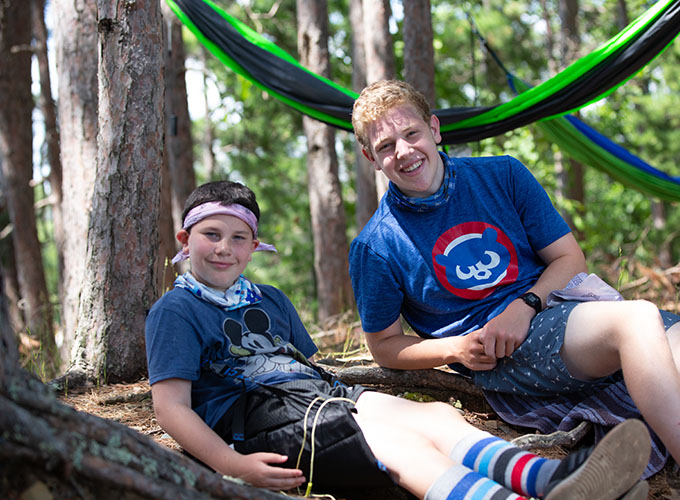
[49, 111]
[418, 49]
[179, 144]
[379, 47]
[367, 195]
[16, 172]
[120, 279]
[570, 43]
[334, 290]
[75, 36]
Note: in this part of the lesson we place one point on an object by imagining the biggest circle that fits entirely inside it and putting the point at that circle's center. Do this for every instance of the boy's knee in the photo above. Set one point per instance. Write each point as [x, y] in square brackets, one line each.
[444, 411]
[643, 310]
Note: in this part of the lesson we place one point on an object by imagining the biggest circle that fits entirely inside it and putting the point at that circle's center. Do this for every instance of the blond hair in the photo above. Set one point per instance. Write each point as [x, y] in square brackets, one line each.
[379, 98]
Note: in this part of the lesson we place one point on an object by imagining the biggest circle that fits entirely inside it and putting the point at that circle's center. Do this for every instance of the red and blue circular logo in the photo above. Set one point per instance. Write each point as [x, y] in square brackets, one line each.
[472, 259]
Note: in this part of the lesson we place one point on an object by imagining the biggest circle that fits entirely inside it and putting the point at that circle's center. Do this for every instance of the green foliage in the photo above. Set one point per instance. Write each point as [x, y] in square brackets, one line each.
[260, 141]
[262, 144]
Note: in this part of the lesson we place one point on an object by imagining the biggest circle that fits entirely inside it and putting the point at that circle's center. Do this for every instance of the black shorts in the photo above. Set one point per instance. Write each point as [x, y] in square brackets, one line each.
[273, 422]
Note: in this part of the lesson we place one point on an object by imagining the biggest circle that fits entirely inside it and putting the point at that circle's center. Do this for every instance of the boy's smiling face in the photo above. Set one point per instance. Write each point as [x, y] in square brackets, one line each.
[404, 147]
[220, 247]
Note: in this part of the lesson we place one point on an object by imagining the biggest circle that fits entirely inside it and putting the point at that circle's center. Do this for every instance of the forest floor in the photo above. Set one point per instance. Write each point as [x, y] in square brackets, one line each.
[130, 404]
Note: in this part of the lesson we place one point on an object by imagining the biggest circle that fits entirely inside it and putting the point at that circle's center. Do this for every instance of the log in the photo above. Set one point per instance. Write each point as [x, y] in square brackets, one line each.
[439, 384]
[43, 441]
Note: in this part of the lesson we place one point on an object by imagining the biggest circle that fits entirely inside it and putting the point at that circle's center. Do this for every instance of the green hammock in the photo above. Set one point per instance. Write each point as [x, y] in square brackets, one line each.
[587, 80]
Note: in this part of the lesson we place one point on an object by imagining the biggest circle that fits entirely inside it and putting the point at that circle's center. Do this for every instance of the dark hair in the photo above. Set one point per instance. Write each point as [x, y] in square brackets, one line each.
[224, 192]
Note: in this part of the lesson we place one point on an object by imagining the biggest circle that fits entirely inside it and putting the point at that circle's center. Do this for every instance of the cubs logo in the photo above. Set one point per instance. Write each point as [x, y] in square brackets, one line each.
[472, 259]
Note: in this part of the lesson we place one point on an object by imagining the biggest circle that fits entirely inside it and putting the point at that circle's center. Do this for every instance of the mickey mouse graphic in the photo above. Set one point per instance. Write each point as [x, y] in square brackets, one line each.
[264, 352]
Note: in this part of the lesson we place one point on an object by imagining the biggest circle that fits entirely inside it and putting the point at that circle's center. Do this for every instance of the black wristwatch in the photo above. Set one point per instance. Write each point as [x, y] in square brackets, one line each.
[532, 300]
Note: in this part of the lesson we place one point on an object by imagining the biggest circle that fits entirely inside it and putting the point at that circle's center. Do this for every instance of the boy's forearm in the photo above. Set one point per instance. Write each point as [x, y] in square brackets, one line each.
[194, 436]
[406, 352]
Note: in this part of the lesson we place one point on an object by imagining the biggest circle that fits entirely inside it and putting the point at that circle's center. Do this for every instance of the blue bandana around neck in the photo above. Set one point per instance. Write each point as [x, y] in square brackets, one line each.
[242, 293]
[433, 201]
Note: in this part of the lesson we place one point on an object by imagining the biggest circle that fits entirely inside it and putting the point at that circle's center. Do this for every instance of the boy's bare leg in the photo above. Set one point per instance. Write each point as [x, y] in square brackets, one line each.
[440, 423]
[673, 334]
[602, 337]
[411, 439]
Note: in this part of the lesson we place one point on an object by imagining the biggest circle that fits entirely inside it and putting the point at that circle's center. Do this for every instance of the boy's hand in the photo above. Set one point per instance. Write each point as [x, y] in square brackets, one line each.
[503, 334]
[473, 355]
[255, 469]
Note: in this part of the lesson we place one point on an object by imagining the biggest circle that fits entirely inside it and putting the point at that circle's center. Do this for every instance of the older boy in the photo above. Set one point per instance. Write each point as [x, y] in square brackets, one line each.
[228, 363]
[468, 250]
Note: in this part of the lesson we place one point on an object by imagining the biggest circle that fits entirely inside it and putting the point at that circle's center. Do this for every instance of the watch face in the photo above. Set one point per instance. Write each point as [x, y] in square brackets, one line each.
[533, 300]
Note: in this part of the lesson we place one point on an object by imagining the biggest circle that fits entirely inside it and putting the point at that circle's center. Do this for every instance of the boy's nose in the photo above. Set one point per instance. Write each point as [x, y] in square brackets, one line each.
[223, 247]
[403, 148]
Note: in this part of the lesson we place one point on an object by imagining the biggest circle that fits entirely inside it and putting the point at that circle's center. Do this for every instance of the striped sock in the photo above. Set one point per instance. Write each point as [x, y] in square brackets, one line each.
[460, 483]
[492, 457]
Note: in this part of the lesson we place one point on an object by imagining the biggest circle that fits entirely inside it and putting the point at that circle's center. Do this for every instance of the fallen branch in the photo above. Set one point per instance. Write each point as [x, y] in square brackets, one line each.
[436, 383]
[557, 438]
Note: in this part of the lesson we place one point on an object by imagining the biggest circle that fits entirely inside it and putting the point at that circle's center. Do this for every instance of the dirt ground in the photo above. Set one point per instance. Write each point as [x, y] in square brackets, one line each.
[130, 404]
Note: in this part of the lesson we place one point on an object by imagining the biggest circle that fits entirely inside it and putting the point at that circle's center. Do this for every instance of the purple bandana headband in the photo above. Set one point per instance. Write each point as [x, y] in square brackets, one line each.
[211, 208]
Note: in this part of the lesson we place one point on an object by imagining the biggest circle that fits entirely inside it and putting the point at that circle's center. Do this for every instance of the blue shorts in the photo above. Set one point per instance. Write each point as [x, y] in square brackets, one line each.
[536, 367]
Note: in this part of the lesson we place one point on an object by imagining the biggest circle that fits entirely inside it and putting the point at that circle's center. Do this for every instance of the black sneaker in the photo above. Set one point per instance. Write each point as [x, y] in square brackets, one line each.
[607, 471]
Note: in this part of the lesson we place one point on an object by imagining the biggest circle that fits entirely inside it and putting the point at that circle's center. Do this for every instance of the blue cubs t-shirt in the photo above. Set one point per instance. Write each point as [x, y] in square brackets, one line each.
[253, 344]
[451, 262]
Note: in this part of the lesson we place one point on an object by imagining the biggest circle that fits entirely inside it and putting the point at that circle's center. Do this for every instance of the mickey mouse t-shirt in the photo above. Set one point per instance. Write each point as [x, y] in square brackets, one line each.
[451, 262]
[260, 343]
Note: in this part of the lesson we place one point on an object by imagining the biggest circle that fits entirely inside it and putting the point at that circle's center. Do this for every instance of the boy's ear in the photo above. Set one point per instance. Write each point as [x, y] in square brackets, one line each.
[255, 243]
[434, 127]
[370, 158]
[183, 237]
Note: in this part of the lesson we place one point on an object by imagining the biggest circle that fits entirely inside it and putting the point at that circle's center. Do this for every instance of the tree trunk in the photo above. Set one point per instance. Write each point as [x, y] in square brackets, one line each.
[622, 17]
[208, 155]
[379, 49]
[179, 179]
[367, 196]
[8, 269]
[178, 143]
[75, 37]
[418, 50]
[120, 280]
[16, 171]
[334, 290]
[49, 112]
[570, 47]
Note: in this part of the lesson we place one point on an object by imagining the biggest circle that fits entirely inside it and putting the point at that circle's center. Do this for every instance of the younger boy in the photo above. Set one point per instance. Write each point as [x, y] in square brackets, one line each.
[228, 363]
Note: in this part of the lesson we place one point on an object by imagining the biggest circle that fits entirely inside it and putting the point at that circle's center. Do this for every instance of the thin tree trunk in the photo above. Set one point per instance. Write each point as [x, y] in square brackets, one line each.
[418, 50]
[379, 49]
[8, 269]
[622, 17]
[570, 47]
[208, 155]
[76, 58]
[49, 112]
[16, 170]
[367, 195]
[120, 278]
[179, 145]
[334, 290]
